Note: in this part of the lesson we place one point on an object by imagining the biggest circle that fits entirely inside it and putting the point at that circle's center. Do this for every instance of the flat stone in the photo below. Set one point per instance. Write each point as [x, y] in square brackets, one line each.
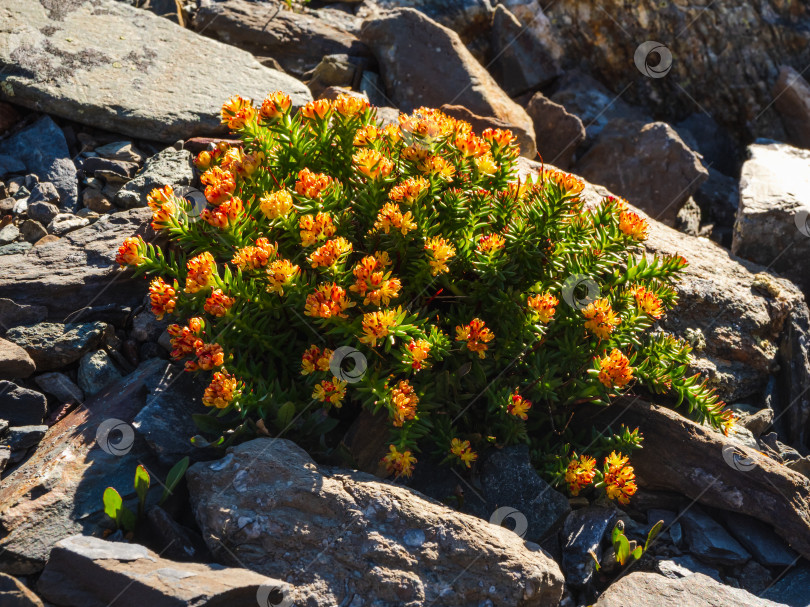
[13, 314]
[15, 248]
[20, 406]
[169, 167]
[96, 372]
[9, 234]
[582, 534]
[709, 541]
[123, 169]
[79, 71]
[44, 192]
[60, 386]
[13, 593]
[558, 133]
[120, 150]
[66, 222]
[41, 146]
[54, 345]
[760, 540]
[683, 566]
[23, 437]
[14, 361]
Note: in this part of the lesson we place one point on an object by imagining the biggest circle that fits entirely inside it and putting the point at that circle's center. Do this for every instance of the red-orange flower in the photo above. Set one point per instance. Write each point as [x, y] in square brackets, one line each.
[209, 356]
[349, 105]
[226, 213]
[237, 111]
[544, 306]
[462, 450]
[129, 253]
[518, 406]
[409, 190]
[200, 272]
[400, 463]
[219, 183]
[327, 301]
[648, 302]
[327, 254]
[311, 184]
[633, 226]
[320, 108]
[315, 228]
[218, 304]
[419, 350]
[333, 391]
[615, 370]
[275, 105]
[620, 479]
[477, 336]
[184, 341]
[280, 273]
[601, 318]
[403, 403]
[315, 360]
[222, 390]
[255, 257]
[162, 297]
[580, 473]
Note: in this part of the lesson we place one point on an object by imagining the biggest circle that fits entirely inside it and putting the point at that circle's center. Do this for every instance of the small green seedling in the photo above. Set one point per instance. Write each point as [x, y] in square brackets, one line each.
[625, 548]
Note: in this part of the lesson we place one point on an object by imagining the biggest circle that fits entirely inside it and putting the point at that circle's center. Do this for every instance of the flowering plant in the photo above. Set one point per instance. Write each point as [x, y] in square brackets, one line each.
[341, 264]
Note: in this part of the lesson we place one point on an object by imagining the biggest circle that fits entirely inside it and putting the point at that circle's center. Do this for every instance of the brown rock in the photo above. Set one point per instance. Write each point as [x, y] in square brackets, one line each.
[32, 231]
[15, 363]
[557, 132]
[195, 145]
[13, 593]
[47, 240]
[426, 64]
[479, 123]
[791, 97]
[96, 201]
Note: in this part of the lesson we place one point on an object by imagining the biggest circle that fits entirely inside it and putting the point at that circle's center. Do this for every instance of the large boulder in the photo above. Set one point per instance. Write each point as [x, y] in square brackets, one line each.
[773, 218]
[344, 537]
[79, 270]
[426, 64]
[62, 58]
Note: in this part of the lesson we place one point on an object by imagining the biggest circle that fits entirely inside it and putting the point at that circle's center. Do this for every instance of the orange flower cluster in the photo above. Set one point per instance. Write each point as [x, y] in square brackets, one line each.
[129, 253]
[620, 479]
[366, 135]
[615, 370]
[436, 165]
[498, 138]
[226, 213]
[280, 273]
[477, 336]
[328, 253]
[601, 318]
[311, 184]
[222, 390]
[580, 473]
[440, 252]
[327, 301]
[403, 403]
[377, 325]
[219, 185]
[315, 360]
[409, 191]
[218, 304]
[275, 105]
[372, 163]
[399, 463]
[469, 145]
[332, 392]
[200, 272]
[209, 356]
[462, 450]
[518, 406]
[391, 217]
[350, 105]
[237, 112]
[162, 297]
[633, 226]
[319, 108]
[237, 162]
[315, 228]
[161, 201]
[427, 123]
[565, 181]
[255, 257]
[276, 204]
[486, 164]
[490, 243]
[184, 340]
[419, 350]
[648, 302]
[544, 306]
[373, 282]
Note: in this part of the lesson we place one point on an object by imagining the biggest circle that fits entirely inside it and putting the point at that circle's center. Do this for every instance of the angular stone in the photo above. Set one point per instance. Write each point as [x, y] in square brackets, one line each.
[96, 371]
[95, 200]
[78, 270]
[697, 590]
[13, 314]
[13, 593]
[760, 540]
[44, 192]
[379, 543]
[41, 146]
[14, 361]
[172, 540]
[32, 231]
[92, 572]
[683, 566]
[709, 541]
[10, 164]
[582, 534]
[9, 234]
[66, 222]
[773, 219]
[525, 139]
[81, 72]
[43, 212]
[120, 150]
[21, 438]
[60, 387]
[791, 97]
[20, 406]
[54, 345]
[557, 132]
[169, 167]
[792, 589]
[408, 46]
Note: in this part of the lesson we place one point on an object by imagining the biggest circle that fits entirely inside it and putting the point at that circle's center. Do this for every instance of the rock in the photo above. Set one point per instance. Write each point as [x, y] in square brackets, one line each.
[9, 234]
[296, 41]
[54, 345]
[15, 248]
[14, 361]
[96, 201]
[757, 423]
[791, 98]
[43, 212]
[169, 167]
[120, 150]
[66, 222]
[96, 372]
[682, 566]
[119, 171]
[657, 172]
[21, 438]
[10, 164]
[44, 192]
[13, 593]
[173, 541]
[557, 132]
[57, 492]
[697, 590]
[581, 534]
[759, 540]
[20, 206]
[773, 219]
[680, 455]
[407, 45]
[7, 206]
[40, 146]
[20, 406]
[13, 314]
[92, 572]
[688, 218]
[755, 578]
[792, 589]
[525, 139]
[32, 230]
[68, 275]
[718, 198]
[69, 73]
[60, 387]
[336, 71]
[521, 62]
[709, 541]
[145, 327]
[384, 544]
[720, 152]
[45, 240]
